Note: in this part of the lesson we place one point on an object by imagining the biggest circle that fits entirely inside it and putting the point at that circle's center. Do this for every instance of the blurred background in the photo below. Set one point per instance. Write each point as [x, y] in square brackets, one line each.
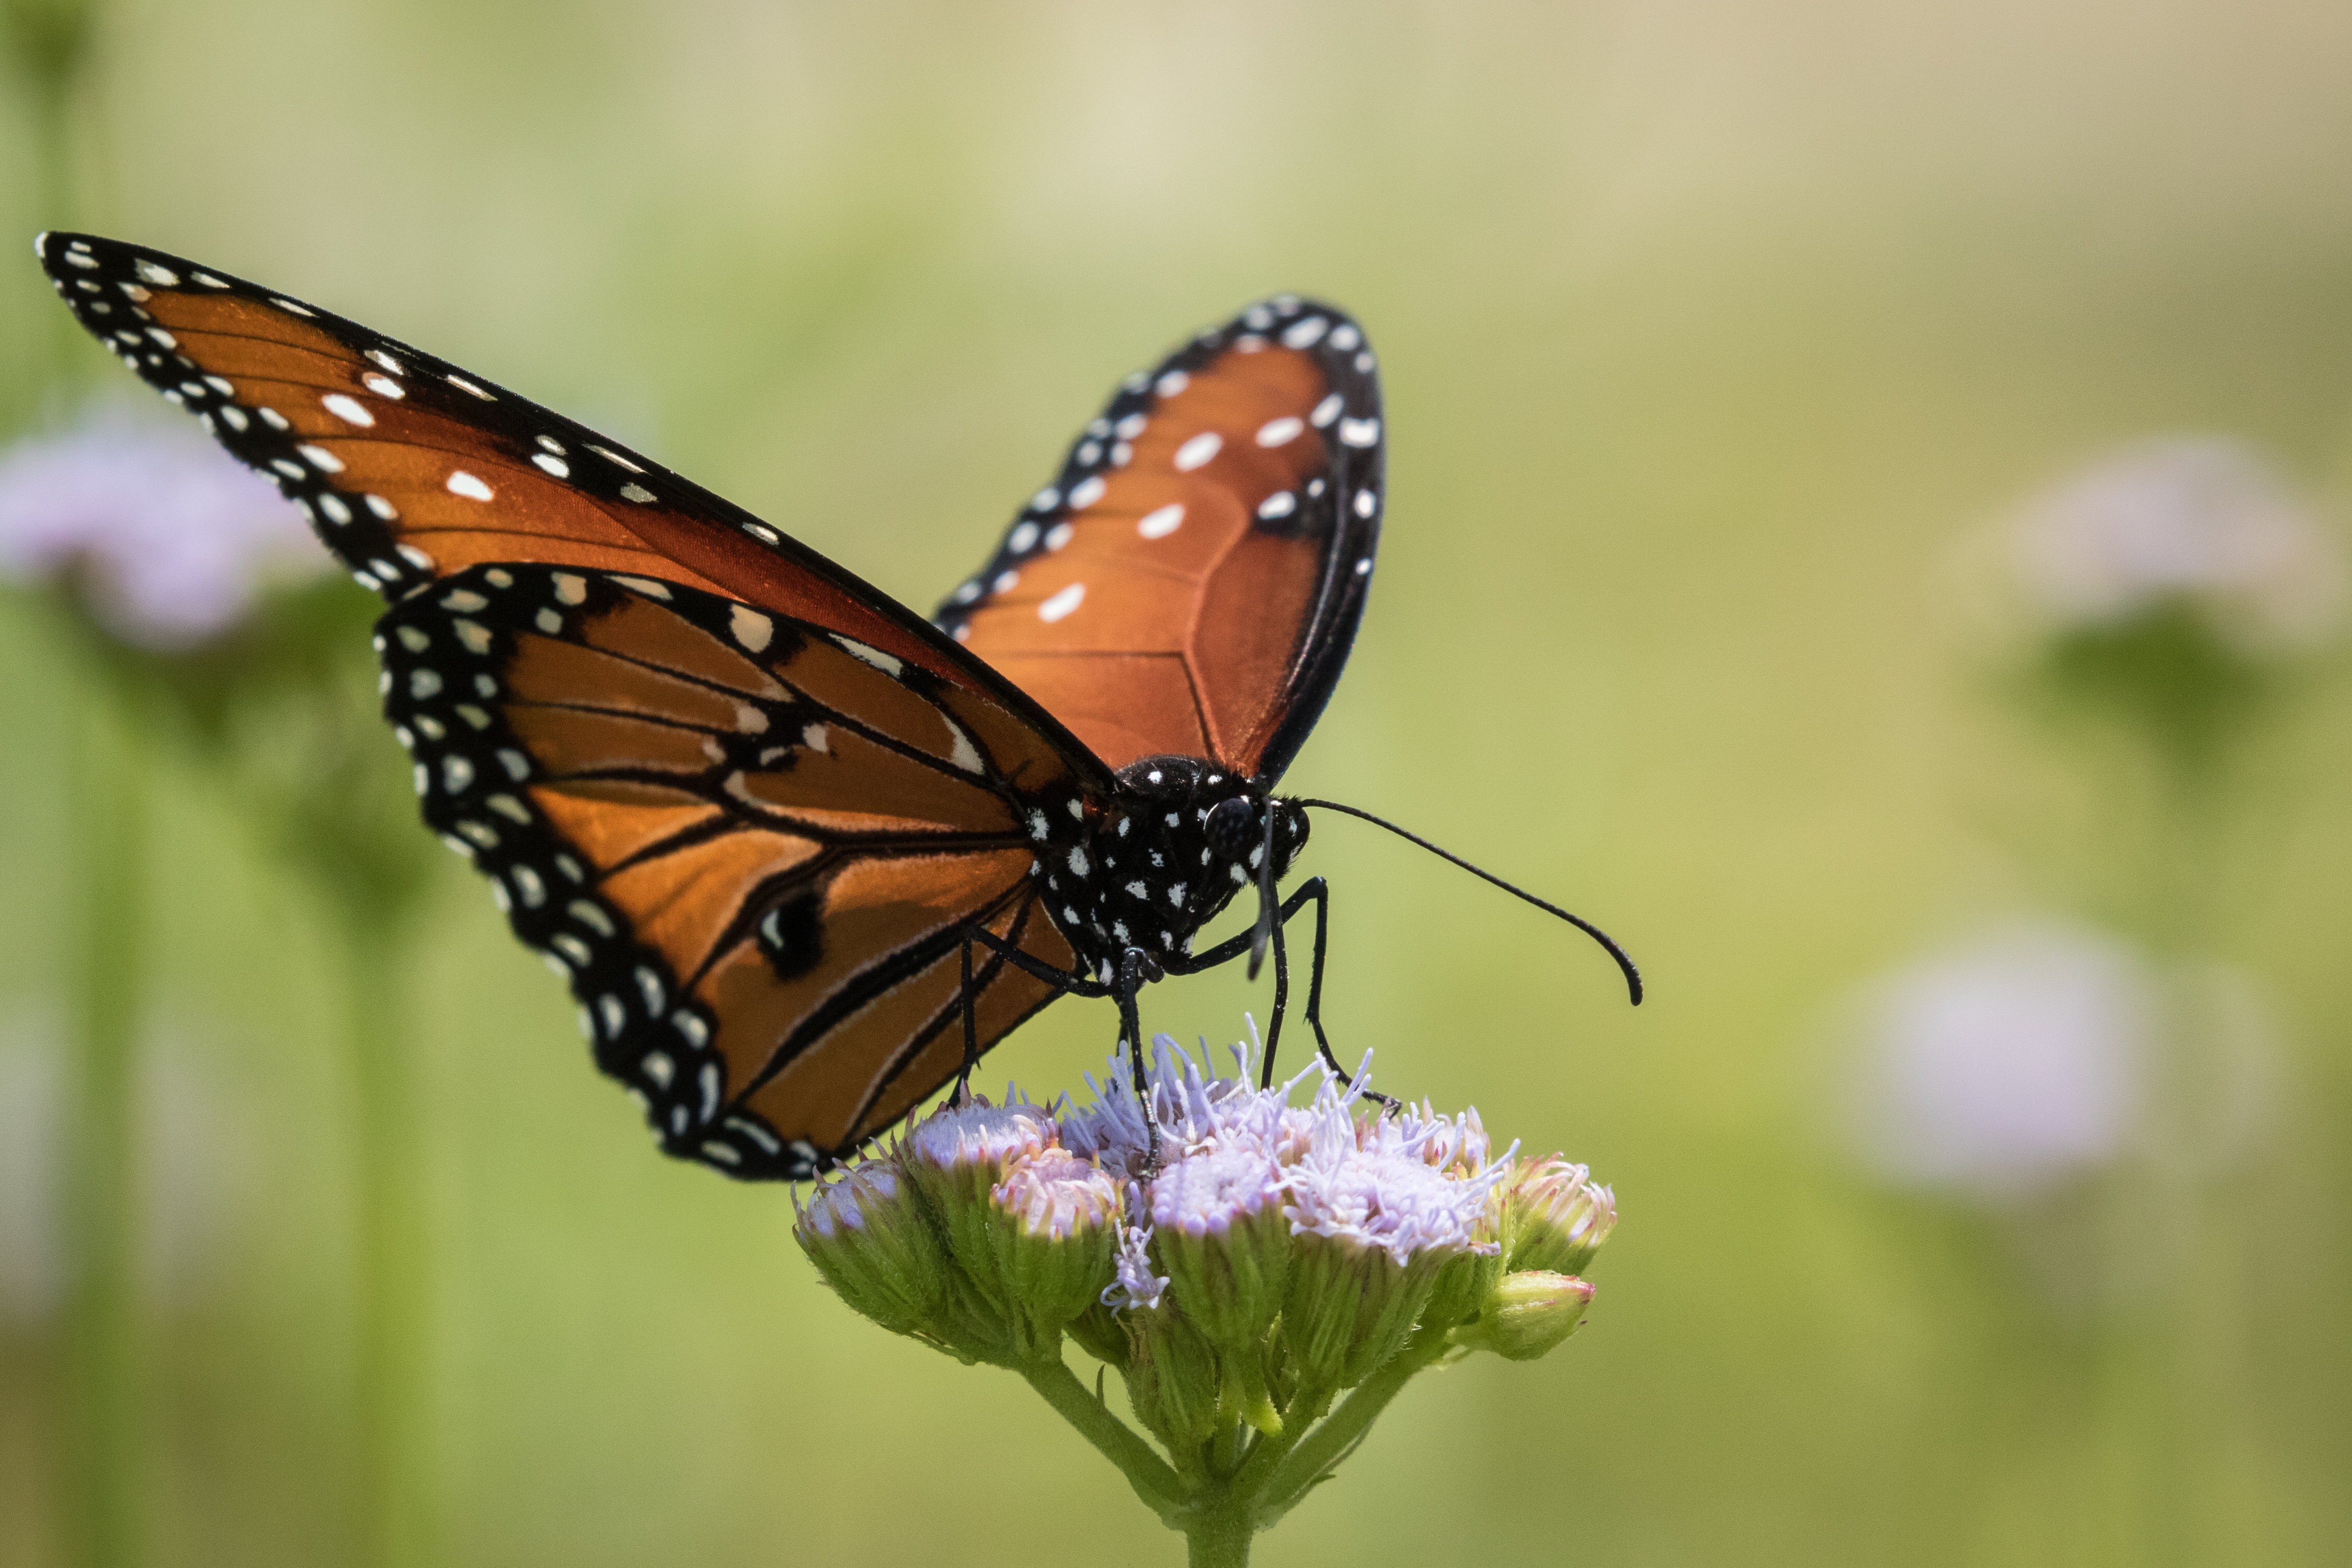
[1868, 490]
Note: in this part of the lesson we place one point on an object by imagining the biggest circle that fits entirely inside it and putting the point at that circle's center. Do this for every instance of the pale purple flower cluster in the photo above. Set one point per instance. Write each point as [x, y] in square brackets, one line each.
[172, 537]
[1408, 1184]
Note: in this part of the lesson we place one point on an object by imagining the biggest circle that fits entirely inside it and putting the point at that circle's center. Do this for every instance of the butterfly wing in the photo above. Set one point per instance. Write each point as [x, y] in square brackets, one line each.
[412, 469]
[1192, 581]
[754, 846]
[751, 806]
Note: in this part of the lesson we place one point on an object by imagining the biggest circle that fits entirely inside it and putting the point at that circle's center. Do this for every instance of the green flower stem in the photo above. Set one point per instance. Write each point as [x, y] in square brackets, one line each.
[104, 1419]
[393, 1255]
[1218, 1535]
[1315, 1453]
[1145, 1471]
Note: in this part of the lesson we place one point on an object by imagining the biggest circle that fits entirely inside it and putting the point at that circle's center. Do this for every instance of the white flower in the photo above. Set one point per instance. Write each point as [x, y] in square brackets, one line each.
[175, 537]
[2198, 517]
[2007, 1064]
[1055, 1194]
[979, 1133]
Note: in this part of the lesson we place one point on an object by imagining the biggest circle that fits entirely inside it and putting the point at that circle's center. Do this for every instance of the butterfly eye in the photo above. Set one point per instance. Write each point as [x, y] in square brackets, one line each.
[1229, 825]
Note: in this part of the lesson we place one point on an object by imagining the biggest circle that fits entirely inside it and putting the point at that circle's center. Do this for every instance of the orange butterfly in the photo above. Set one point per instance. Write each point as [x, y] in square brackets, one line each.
[802, 854]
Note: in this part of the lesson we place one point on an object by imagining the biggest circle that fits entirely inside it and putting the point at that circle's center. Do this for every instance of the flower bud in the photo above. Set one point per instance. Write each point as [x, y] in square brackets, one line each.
[1349, 1308]
[1529, 1313]
[1218, 1230]
[955, 1157]
[1054, 1230]
[869, 1240]
[1172, 1377]
[1555, 1217]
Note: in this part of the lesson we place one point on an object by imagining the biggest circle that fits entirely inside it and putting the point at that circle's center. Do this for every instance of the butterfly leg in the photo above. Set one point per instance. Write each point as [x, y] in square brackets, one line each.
[963, 1094]
[1135, 968]
[1068, 982]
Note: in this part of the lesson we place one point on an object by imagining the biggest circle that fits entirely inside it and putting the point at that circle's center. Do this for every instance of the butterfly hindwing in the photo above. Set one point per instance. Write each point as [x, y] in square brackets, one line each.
[1192, 581]
[754, 847]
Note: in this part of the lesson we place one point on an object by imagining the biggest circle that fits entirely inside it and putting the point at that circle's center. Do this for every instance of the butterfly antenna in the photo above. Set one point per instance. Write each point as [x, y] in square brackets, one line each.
[1264, 931]
[1624, 962]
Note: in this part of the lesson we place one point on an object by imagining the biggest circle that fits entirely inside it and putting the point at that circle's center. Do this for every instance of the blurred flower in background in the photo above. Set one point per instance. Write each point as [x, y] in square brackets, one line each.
[169, 540]
[189, 1170]
[2202, 521]
[1995, 1068]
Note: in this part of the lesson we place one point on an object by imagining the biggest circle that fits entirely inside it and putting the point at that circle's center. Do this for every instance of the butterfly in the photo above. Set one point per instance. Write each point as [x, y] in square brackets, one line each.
[802, 854]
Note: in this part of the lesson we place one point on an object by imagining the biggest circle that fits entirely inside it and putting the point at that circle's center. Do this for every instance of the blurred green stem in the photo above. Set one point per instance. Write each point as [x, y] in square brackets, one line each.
[109, 823]
[393, 1255]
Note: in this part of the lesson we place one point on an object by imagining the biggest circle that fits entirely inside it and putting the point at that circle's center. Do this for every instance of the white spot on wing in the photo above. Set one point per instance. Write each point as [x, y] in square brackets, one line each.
[1062, 604]
[752, 628]
[884, 662]
[1359, 432]
[965, 755]
[461, 483]
[1198, 450]
[1162, 522]
[1275, 432]
[347, 409]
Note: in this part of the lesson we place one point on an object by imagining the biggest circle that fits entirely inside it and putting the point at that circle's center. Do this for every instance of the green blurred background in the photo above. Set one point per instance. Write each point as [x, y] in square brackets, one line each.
[1707, 329]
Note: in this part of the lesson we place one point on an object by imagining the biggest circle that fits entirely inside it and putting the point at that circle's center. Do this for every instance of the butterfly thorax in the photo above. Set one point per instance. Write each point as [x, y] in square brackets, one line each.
[1161, 857]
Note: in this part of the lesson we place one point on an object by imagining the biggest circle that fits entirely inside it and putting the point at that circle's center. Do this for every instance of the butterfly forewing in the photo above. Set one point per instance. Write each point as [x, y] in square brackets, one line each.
[754, 846]
[412, 469]
[1191, 582]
